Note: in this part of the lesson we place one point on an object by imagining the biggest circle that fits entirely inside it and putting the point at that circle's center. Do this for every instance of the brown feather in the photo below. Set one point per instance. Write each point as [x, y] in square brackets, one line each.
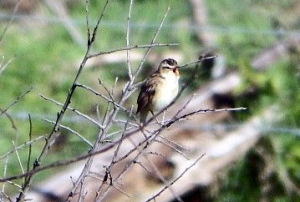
[149, 90]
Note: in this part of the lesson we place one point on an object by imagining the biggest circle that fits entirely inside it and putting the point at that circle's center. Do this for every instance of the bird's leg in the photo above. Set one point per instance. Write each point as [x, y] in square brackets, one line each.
[154, 117]
[163, 118]
[161, 123]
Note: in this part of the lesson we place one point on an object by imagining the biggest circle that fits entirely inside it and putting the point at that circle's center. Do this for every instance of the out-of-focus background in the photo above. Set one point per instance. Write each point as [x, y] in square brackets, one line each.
[43, 42]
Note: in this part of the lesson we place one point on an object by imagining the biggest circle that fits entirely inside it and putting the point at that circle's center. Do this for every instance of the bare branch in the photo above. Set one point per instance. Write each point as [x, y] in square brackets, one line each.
[30, 137]
[172, 147]
[87, 20]
[108, 168]
[18, 157]
[73, 110]
[151, 43]
[60, 115]
[10, 20]
[3, 67]
[162, 178]
[110, 120]
[101, 95]
[176, 179]
[98, 22]
[22, 146]
[127, 41]
[3, 195]
[198, 61]
[132, 47]
[122, 191]
[202, 111]
[72, 131]
[15, 102]
[4, 174]
[13, 125]
[108, 91]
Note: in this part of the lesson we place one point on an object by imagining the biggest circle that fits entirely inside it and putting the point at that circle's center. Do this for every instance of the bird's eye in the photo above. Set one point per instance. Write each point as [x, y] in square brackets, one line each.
[166, 67]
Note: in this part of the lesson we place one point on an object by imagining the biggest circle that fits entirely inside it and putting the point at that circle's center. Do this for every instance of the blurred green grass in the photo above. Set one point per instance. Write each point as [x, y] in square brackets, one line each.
[46, 59]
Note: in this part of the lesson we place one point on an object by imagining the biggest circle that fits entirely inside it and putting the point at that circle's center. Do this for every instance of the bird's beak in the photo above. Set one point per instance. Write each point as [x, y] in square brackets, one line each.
[175, 70]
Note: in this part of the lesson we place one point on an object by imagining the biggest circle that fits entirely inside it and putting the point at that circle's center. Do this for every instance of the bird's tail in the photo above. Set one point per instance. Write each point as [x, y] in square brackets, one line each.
[143, 116]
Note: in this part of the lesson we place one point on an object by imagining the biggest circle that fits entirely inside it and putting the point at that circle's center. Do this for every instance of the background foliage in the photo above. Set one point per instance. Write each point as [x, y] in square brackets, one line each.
[46, 58]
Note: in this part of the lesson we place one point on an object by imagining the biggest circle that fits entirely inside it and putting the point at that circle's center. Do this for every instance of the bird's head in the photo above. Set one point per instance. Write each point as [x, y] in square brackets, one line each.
[168, 66]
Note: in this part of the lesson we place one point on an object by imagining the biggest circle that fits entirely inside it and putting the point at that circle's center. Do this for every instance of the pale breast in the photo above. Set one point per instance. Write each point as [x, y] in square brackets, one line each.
[166, 93]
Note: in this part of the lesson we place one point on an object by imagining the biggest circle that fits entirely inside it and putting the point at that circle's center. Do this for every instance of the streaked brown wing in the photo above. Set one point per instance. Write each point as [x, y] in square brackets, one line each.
[147, 92]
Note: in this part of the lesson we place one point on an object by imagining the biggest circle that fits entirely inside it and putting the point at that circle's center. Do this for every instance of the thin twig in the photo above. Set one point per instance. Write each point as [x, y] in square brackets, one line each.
[162, 178]
[106, 89]
[15, 102]
[136, 85]
[120, 121]
[119, 145]
[185, 105]
[149, 48]
[73, 110]
[13, 125]
[174, 143]
[127, 40]
[61, 114]
[143, 166]
[105, 117]
[122, 191]
[101, 95]
[22, 146]
[175, 180]
[30, 138]
[114, 157]
[2, 68]
[113, 134]
[105, 148]
[202, 111]
[18, 157]
[114, 86]
[198, 61]
[98, 113]
[122, 172]
[4, 174]
[97, 24]
[132, 47]
[14, 184]
[88, 164]
[72, 131]
[82, 192]
[172, 147]
[157, 154]
[10, 20]
[5, 196]
[87, 20]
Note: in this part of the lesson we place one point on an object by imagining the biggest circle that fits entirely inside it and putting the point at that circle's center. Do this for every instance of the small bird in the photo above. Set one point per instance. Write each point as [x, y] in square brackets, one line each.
[159, 89]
